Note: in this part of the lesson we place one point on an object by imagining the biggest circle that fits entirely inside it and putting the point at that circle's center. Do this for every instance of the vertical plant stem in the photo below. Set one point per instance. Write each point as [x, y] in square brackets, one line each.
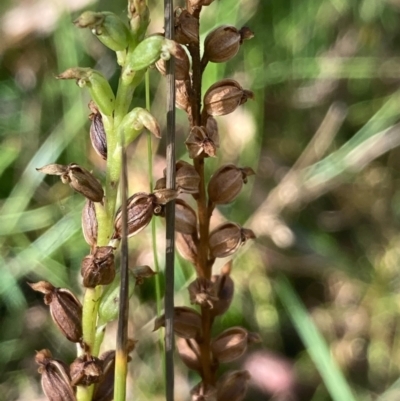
[203, 268]
[121, 356]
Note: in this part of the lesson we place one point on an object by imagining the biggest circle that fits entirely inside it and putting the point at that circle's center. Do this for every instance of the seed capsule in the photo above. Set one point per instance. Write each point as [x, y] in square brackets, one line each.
[201, 392]
[65, 309]
[140, 210]
[187, 322]
[186, 246]
[223, 43]
[182, 91]
[55, 380]
[89, 223]
[226, 183]
[86, 370]
[186, 27]
[231, 344]
[104, 390]
[189, 351]
[185, 218]
[233, 386]
[97, 132]
[182, 65]
[98, 268]
[224, 97]
[78, 179]
[227, 238]
[224, 290]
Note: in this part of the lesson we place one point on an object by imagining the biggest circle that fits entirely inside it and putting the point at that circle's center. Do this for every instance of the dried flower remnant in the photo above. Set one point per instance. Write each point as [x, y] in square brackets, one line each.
[201, 143]
[65, 309]
[202, 292]
[86, 370]
[56, 382]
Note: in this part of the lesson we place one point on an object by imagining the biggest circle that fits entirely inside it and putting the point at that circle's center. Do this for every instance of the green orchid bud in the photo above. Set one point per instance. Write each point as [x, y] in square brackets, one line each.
[109, 302]
[135, 121]
[107, 26]
[148, 52]
[98, 86]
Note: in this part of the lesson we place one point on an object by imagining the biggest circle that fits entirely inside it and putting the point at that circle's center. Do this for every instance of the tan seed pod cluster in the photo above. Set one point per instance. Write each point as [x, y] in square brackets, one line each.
[186, 244]
[224, 97]
[229, 345]
[98, 268]
[56, 382]
[227, 182]
[189, 352]
[185, 218]
[65, 309]
[227, 238]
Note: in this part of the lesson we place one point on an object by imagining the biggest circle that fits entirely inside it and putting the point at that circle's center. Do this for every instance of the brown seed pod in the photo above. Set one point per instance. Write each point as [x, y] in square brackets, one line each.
[89, 223]
[98, 268]
[78, 178]
[186, 246]
[227, 238]
[231, 344]
[232, 386]
[224, 97]
[140, 210]
[226, 183]
[224, 289]
[182, 89]
[186, 27]
[201, 392]
[189, 351]
[187, 322]
[55, 380]
[104, 389]
[65, 309]
[97, 132]
[86, 370]
[185, 218]
[182, 64]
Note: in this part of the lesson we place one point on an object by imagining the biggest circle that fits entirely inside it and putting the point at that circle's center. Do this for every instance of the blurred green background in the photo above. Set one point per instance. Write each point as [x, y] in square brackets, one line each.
[320, 283]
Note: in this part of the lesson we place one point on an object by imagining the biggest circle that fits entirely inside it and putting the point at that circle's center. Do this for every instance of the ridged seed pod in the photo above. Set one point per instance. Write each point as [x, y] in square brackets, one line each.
[65, 309]
[226, 183]
[224, 290]
[97, 133]
[224, 97]
[227, 238]
[186, 27]
[187, 322]
[140, 210]
[231, 344]
[232, 386]
[189, 352]
[98, 268]
[86, 370]
[89, 223]
[55, 381]
[185, 218]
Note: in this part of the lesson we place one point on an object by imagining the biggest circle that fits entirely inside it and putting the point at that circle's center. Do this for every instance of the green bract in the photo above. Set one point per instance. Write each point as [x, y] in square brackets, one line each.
[109, 302]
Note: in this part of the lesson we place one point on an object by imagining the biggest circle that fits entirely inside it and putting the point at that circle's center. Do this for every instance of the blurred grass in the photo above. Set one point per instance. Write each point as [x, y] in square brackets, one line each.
[343, 263]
